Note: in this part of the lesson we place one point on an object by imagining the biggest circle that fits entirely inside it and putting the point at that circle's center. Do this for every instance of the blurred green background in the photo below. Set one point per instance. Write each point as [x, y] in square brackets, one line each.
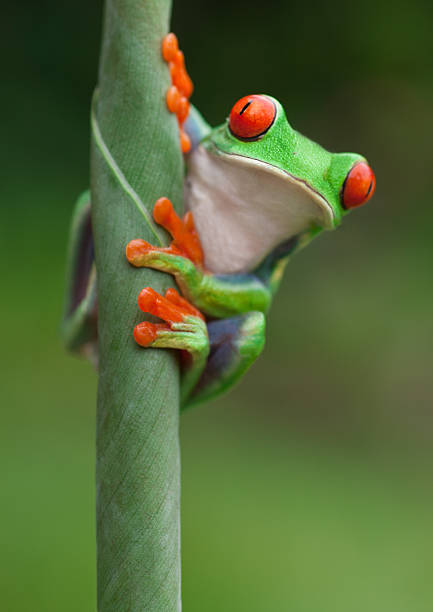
[309, 487]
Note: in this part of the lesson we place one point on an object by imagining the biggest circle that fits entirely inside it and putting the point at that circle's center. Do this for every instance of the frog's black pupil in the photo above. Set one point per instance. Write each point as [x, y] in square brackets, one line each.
[245, 107]
[369, 189]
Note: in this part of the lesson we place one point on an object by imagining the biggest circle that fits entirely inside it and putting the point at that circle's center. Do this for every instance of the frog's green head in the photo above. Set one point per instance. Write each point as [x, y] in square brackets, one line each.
[322, 186]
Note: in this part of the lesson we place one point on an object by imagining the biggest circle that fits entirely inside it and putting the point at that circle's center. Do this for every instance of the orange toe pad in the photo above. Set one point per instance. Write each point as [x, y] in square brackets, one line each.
[145, 333]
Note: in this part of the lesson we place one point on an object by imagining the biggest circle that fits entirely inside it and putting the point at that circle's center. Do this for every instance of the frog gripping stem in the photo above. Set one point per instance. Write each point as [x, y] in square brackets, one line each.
[172, 308]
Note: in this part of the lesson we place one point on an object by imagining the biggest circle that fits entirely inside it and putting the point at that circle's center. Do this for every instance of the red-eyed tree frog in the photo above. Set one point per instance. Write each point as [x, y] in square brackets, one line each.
[256, 191]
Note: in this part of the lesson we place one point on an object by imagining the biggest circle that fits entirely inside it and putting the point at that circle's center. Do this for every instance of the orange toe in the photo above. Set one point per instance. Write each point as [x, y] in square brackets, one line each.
[145, 333]
[150, 301]
[182, 80]
[182, 109]
[172, 307]
[185, 142]
[136, 249]
[173, 296]
[165, 215]
[173, 98]
[170, 47]
[147, 300]
[188, 221]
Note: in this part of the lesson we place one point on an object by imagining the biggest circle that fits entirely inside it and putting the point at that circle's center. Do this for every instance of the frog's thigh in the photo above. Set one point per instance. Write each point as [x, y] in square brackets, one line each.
[235, 344]
[80, 311]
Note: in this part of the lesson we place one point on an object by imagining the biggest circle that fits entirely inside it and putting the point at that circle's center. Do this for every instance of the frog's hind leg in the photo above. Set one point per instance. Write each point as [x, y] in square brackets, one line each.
[79, 324]
[235, 344]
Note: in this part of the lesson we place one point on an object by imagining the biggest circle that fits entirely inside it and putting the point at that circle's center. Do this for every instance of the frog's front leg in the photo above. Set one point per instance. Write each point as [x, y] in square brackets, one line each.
[219, 296]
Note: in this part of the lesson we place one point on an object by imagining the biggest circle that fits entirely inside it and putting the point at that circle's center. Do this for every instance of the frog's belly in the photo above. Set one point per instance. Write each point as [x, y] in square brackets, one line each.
[243, 210]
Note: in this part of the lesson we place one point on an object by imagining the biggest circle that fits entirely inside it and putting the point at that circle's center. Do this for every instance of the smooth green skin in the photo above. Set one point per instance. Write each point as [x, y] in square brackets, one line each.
[242, 299]
[225, 296]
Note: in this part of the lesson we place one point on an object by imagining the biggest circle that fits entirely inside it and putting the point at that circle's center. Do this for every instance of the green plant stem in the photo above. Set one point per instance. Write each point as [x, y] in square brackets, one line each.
[135, 159]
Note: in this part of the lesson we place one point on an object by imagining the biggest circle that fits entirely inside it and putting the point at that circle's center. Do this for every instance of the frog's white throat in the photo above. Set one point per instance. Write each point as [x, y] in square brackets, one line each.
[243, 208]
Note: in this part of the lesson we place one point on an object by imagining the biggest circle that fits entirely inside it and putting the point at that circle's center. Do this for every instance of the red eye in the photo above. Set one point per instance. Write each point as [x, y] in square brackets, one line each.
[359, 186]
[252, 116]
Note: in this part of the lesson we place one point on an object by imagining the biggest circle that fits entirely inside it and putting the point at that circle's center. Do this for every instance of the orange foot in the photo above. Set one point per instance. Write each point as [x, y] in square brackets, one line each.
[186, 241]
[181, 88]
[172, 308]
